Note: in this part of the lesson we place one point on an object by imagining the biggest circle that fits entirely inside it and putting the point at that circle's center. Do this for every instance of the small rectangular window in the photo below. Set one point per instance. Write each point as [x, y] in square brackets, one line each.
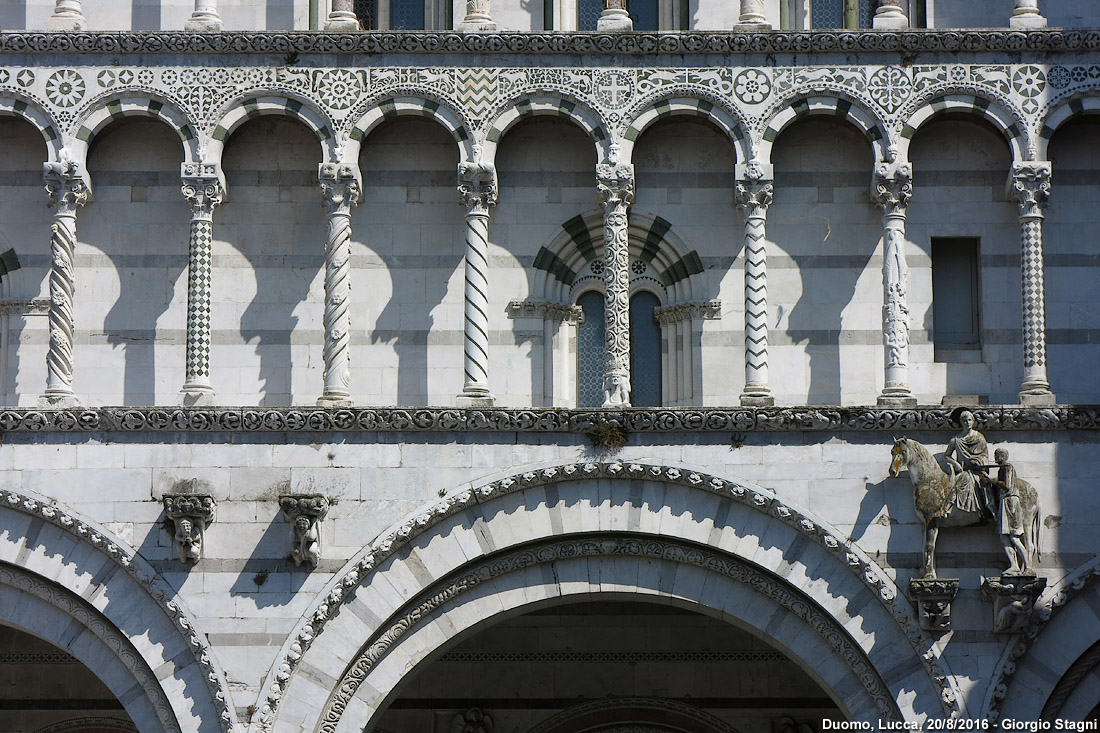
[956, 295]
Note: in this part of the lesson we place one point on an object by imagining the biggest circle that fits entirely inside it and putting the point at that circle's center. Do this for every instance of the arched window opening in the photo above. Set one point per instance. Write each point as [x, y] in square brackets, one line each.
[590, 350]
[645, 351]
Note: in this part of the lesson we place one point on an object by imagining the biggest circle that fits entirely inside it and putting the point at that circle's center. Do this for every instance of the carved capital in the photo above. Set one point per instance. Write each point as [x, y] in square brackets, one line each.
[340, 188]
[1031, 184]
[189, 514]
[1013, 599]
[615, 183]
[710, 310]
[546, 310]
[933, 597]
[893, 187]
[305, 513]
[65, 183]
[754, 196]
[477, 184]
[202, 187]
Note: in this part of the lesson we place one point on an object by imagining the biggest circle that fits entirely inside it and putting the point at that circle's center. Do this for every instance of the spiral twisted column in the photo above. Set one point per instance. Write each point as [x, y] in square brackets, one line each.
[203, 190]
[1031, 184]
[67, 192]
[754, 195]
[68, 15]
[340, 190]
[205, 17]
[616, 186]
[892, 189]
[477, 183]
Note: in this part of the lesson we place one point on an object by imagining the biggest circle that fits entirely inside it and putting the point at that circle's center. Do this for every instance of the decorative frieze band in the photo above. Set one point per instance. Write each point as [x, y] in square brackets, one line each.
[635, 420]
[710, 310]
[285, 42]
[546, 309]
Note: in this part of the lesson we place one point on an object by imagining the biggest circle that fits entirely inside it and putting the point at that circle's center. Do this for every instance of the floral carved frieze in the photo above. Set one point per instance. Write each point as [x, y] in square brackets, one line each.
[540, 420]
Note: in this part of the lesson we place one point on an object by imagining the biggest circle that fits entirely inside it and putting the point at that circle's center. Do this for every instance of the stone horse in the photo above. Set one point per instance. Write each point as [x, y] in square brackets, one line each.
[935, 494]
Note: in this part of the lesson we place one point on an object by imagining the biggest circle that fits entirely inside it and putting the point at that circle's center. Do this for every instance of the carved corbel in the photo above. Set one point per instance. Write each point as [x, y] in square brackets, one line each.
[1013, 599]
[190, 514]
[893, 187]
[341, 186]
[305, 513]
[1030, 184]
[67, 183]
[932, 598]
[477, 184]
[203, 185]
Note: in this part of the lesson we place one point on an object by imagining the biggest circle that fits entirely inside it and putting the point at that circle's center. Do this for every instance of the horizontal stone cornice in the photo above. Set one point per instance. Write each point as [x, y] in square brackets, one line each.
[537, 420]
[580, 43]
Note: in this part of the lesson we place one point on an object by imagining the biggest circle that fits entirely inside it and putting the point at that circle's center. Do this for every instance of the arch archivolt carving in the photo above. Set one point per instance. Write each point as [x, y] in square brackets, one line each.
[477, 526]
[368, 117]
[856, 112]
[1007, 121]
[128, 597]
[707, 106]
[261, 103]
[1063, 113]
[12, 105]
[505, 116]
[110, 107]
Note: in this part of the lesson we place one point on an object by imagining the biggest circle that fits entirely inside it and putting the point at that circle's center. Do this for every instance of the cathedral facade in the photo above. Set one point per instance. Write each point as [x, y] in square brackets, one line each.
[551, 366]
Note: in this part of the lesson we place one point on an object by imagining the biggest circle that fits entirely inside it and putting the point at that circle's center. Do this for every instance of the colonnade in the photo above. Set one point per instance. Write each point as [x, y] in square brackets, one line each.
[477, 184]
[68, 15]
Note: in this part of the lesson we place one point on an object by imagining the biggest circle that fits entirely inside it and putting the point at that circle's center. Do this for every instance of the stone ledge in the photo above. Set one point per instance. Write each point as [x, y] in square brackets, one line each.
[443, 419]
[587, 43]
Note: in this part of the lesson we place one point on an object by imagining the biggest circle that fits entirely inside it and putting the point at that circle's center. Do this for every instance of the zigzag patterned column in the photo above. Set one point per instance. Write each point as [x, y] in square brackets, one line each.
[893, 186]
[1031, 183]
[340, 191]
[478, 186]
[67, 192]
[616, 187]
[754, 195]
[203, 190]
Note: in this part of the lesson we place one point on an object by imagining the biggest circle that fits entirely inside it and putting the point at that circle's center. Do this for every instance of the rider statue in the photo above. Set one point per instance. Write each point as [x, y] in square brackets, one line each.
[968, 454]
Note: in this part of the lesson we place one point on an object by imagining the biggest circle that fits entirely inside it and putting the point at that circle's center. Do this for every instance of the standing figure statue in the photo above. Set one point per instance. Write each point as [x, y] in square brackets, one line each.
[968, 455]
[1017, 517]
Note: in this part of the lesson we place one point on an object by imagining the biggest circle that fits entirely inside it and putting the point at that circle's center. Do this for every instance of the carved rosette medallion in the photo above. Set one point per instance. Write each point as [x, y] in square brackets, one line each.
[190, 514]
[305, 513]
[340, 190]
[932, 598]
[616, 187]
[1013, 599]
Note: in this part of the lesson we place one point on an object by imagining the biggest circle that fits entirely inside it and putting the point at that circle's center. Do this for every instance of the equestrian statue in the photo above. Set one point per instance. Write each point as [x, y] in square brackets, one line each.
[966, 495]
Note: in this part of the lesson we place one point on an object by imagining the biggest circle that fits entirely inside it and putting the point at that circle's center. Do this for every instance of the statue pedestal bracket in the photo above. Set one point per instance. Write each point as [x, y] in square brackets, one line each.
[932, 598]
[1013, 599]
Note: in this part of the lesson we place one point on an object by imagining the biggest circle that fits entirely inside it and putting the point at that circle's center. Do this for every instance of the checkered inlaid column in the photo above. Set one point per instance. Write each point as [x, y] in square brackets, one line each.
[203, 190]
[616, 187]
[892, 189]
[340, 191]
[67, 193]
[477, 184]
[754, 195]
[1031, 183]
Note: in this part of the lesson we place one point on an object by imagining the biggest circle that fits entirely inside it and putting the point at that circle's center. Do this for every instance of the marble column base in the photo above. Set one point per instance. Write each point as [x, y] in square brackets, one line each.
[197, 396]
[475, 400]
[757, 399]
[66, 23]
[331, 402]
[1036, 398]
[58, 400]
[1026, 22]
[889, 22]
[614, 20]
[202, 25]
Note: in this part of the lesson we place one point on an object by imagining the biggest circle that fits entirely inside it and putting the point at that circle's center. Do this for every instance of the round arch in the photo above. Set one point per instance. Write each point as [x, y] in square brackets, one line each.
[258, 106]
[108, 109]
[666, 108]
[27, 110]
[389, 108]
[79, 573]
[989, 110]
[556, 106]
[487, 549]
[1063, 113]
[796, 109]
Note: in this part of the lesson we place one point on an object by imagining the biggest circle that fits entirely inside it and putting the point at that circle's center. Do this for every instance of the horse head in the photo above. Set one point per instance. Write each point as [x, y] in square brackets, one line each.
[899, 456]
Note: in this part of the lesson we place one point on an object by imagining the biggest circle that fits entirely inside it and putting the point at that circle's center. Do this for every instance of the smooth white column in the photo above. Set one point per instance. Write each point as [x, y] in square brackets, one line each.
[616, 186]
[67, 192]
[1026, 15]
[754, 194]
[478, 18]
[893, 187]
[67, 16]
[477, 183]
[340, 190]
[1031, 183]
[203, 190]
[889, 15]
[342, 16]
[615, 17]
[205, 17]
